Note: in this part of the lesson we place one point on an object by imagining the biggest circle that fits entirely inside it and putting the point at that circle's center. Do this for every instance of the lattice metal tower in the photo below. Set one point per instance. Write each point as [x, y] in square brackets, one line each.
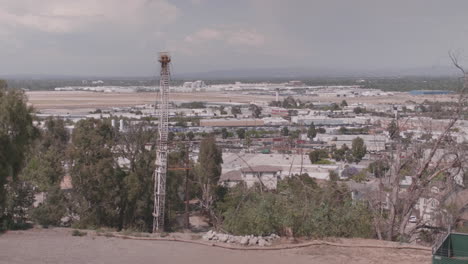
[162, 149]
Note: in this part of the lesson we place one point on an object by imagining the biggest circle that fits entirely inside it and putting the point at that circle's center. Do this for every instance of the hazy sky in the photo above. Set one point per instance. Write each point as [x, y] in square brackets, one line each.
[122, 37]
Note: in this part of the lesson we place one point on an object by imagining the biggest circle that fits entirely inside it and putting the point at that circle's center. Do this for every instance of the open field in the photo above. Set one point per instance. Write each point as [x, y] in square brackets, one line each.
[81, 101]
[57, 245]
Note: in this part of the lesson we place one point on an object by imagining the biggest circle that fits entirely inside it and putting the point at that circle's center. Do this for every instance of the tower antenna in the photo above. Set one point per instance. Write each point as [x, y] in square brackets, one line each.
[162, 149]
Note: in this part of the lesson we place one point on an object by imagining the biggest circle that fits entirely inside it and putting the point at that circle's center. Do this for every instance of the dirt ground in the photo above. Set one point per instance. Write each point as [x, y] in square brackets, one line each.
[57, 245]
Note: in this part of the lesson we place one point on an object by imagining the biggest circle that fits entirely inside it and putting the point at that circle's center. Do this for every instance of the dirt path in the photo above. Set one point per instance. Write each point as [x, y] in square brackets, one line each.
[58, 246]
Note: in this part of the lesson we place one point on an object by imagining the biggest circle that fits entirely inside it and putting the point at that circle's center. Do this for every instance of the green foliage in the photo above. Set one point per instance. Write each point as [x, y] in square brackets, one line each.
[190, 135]
[311, 132]
[342, 154]
[333, 175]
[379, 168]
[360, 177]
[359, 110]
[44, 166]
[236, 110]
[324, 162]
[299, 206]
[344, 103]
[76, 232]
[358, 149]
[256, 110]
[295, 134]
[353, 131]
[222, 111]
[193, 105]
[97, 181]
[170, 136]
[316, 156]
[285, 131]
[334, 107]
[224, 133]
[393, 130]
[209, 169]
[19, 198]
[16, 136]
[52, 210]
[240, 133]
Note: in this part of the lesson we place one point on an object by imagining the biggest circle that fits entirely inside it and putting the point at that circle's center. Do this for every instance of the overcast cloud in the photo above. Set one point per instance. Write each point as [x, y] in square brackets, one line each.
[122, 37]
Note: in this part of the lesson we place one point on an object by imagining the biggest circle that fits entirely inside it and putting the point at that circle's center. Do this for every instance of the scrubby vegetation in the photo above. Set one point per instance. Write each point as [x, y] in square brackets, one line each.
[299, 207]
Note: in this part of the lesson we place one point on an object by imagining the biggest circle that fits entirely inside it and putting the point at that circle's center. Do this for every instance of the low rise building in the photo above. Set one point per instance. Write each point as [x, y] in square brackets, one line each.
[231, 122]
[266, 176]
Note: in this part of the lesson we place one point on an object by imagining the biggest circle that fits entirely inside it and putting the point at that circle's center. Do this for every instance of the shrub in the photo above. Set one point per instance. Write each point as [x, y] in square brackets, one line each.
[78, 233]
[298, 205]
[51, 211]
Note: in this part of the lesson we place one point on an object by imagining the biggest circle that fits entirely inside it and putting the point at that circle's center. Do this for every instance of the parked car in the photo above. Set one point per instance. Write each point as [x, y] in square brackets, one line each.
[413, 219]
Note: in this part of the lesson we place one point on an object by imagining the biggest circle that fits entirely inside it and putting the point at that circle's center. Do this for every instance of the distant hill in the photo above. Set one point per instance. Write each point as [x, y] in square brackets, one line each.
[308, 73]
[264, 74]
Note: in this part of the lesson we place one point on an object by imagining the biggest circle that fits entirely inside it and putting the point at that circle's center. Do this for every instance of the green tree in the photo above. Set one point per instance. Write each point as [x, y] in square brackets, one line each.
[98, 181]
[295, 134]
[222, 111]
[19, 199]
[137, 190]
[344, 103]
[170, 136]
[359, 110]
[342, 154]
[45, 169]
[181, 136]
[378, 168]
[256, 110]
[285, 131]
[393, 130]
[236, 110]
[248, 141]
[16, 136]
[321, 130]
[52, 210]
[316, 155]
[240, 133]
[209, 170]
[190, 135]
[299, 207]
[45, 166]
[289, 102]
[335, 107]
[311, 132]
[358, 149]
[343, 130]
[224, 133]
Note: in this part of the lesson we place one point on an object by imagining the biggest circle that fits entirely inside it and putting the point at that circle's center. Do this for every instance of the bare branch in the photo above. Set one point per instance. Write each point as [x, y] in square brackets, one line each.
[454, 59]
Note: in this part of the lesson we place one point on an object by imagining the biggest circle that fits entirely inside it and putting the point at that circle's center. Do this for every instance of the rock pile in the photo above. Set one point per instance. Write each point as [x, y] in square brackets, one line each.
[262, 241]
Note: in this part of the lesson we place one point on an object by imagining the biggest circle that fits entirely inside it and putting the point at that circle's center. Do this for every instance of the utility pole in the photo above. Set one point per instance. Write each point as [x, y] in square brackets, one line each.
[162, 149]
[187, 171]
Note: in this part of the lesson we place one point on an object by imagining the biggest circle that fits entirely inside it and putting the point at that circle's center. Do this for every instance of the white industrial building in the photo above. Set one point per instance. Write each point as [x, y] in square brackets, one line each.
[266, 176]
[327, 121]
[290, 164]
[372, 142]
